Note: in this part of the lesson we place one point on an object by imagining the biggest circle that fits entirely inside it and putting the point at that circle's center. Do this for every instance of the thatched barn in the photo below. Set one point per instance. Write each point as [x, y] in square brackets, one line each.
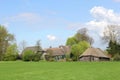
[94, 54]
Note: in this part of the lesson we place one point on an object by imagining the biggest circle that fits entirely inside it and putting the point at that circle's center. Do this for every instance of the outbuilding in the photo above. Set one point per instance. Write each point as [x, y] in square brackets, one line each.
[94, 54]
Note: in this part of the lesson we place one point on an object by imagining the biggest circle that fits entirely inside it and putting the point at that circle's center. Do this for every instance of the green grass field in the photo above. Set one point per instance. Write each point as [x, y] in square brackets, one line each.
[59, 70]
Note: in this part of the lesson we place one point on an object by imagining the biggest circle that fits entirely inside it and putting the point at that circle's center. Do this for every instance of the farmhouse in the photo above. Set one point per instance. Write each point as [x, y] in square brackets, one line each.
[94, 54]
[57, 53]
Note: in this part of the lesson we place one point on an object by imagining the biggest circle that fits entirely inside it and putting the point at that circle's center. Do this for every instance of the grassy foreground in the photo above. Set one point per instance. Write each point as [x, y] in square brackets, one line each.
[59, 70]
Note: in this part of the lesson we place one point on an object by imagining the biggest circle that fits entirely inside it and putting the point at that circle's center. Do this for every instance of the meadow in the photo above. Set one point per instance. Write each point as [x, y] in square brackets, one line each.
[19, 70]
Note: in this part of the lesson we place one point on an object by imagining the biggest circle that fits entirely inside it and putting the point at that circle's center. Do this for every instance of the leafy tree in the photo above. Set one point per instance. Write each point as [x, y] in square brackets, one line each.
[113, 48]
[11, 53]
[75, 51]
[79, 43]
[71, 41]
[78, 49]
[81, 35]
[83, 46]
[5, 39]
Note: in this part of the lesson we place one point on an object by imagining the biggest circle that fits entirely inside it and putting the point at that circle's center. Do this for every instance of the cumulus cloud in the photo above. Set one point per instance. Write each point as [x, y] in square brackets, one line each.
[96, 26]
[51, 37]
[101, 18]
[103, 14]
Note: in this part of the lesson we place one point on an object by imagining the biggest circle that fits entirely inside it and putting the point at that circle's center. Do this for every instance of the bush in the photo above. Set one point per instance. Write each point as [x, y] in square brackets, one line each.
[68, 57]
[51, 59]
[116, 57]
[62, 60]
[74, 58]
[10, 57]
[28, 55]
[11, 53]
[37, 57]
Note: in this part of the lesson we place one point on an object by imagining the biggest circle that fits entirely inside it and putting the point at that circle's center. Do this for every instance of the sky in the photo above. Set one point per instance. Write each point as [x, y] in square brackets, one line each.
[53, 21]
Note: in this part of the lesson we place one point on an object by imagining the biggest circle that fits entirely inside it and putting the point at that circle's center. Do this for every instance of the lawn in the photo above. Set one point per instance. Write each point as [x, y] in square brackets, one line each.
[59, 70]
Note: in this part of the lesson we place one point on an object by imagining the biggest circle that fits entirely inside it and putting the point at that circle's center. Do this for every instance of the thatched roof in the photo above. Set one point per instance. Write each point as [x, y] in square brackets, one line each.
[61, 50]
[55, 51]
[94, 52]
[67, 49]
[32, 48]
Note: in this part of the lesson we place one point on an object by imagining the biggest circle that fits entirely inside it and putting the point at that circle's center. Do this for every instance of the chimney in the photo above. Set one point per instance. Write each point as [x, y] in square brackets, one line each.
[61, 46]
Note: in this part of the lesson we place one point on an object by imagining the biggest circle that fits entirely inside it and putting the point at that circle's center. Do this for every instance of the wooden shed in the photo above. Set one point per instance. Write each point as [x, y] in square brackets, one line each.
[94, 54]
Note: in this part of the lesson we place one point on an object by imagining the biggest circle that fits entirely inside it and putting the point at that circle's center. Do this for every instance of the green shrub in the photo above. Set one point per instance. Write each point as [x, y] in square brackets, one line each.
[37, 57]
[28, 55]
[116, 57]
[68, 58]
[10, 57]
[11, 53]
[62, 60]
[51, 59]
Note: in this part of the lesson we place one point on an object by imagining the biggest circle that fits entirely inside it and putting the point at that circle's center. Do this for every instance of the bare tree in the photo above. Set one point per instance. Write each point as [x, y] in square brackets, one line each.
[82, 35]
[22, 45]
[83, 31]
[38, 44]
[112, 33]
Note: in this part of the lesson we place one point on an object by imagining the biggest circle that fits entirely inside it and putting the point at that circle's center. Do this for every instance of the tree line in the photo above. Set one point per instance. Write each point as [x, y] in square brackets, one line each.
[79, 43]
[9, 50]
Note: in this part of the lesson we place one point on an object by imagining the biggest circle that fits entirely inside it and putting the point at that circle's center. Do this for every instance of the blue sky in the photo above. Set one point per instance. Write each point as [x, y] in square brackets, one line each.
[53, 21]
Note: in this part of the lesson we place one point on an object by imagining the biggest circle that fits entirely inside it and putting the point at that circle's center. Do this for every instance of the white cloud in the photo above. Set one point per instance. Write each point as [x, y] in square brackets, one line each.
[107, 15]
[97, 26]
[51, 37]
[101, 18]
